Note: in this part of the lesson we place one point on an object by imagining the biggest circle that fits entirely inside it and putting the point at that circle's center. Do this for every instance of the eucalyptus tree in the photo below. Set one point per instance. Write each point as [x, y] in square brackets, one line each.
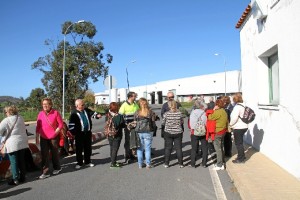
[84, 62]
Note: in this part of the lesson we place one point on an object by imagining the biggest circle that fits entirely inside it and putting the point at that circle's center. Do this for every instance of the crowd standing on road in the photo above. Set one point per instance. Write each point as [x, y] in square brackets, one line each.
[208, 124]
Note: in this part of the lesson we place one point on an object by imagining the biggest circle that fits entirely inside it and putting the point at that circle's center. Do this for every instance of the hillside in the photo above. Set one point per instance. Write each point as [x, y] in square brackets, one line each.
[10, 99]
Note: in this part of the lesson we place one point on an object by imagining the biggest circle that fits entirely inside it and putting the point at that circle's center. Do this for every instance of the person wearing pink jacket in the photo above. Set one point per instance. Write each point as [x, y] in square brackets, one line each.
[49, 124]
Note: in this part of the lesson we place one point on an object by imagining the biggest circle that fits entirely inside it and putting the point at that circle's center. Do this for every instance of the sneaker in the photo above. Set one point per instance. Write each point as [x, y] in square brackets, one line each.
[140, 167]
[55, 172]
[43, 176]
[13, 182]
[90, 165]
[181, 166]
[237, 161]
[204, 165]
[192, 166]
[78, 166]
[219, 168]
[149, 166]
[166, 166]
[115, 166]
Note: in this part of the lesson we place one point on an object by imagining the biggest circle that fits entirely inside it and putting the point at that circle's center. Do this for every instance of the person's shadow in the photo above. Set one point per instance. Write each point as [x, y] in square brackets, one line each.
[254, 142]
[13, 193]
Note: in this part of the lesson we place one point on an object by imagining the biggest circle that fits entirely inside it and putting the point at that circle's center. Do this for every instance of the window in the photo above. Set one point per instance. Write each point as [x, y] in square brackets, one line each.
[273, 65]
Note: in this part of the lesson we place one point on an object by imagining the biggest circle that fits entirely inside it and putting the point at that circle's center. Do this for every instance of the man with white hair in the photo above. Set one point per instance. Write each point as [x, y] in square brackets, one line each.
[80, 125]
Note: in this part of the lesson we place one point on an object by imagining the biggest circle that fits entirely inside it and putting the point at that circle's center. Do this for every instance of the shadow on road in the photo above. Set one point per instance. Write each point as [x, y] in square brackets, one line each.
[14, 192]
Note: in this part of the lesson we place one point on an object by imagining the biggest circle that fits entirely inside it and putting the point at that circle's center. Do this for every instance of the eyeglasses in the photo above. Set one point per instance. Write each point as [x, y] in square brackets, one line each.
[171, 97]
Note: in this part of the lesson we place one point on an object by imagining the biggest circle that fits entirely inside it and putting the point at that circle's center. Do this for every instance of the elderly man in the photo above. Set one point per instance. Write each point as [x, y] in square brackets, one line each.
[165, 107]
[80, 125]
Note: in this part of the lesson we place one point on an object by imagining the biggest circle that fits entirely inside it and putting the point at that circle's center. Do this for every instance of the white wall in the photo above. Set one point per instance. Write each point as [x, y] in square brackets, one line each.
[208, 85]
[276, 130]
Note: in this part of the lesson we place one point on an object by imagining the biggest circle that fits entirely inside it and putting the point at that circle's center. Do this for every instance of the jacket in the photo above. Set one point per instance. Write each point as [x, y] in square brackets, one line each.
[235, 121]
[194, 116]
[47, 123]
[17, 139]
[76, 122]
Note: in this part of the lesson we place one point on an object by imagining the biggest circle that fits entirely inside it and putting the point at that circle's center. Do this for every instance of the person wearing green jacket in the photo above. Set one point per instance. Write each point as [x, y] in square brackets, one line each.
[220, 116]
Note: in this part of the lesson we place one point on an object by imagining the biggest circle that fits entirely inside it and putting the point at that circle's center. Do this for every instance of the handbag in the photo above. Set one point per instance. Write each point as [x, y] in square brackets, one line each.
[3, 148]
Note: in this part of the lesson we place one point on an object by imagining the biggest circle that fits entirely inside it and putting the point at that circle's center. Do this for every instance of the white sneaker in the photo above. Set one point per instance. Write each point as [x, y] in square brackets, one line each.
[219, 168]
[43, 176]
[90, 165]
[55, 172]
[78, 167]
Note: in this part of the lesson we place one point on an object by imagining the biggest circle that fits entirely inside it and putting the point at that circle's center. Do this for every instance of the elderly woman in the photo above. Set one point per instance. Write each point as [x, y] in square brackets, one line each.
[220, 116]
[49, 124]
[196, 115]
[173, 121]
[239, 127]
[16, 142]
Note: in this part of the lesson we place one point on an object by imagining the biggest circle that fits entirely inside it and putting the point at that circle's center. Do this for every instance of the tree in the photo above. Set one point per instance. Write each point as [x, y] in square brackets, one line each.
[84, 61]
[89, 98]
[35, 98]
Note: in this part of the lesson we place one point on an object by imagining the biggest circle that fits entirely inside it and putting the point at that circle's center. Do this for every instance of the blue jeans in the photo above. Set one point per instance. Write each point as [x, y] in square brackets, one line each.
[146, 143]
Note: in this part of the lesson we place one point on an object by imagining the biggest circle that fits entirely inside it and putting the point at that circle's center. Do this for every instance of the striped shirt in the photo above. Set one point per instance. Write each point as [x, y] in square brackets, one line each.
[173, 122]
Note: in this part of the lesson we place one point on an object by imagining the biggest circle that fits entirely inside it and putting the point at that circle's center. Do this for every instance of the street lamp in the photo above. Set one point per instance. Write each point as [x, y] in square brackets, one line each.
[218, 54]
[133, 61]
[64, 67]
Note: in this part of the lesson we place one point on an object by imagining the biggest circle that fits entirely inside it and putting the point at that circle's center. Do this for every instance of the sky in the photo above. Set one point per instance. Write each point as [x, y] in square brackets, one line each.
[168, 39]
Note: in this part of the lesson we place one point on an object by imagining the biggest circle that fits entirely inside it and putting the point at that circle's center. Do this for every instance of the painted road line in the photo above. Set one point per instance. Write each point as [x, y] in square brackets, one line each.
[220, 194]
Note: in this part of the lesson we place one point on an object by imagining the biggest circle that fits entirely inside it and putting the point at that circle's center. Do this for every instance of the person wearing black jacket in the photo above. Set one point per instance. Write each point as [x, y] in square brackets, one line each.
[80, 125]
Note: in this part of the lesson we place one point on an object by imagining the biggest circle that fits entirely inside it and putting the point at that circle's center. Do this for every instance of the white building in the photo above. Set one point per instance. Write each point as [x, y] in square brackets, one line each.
[183, 88]
[270, 46]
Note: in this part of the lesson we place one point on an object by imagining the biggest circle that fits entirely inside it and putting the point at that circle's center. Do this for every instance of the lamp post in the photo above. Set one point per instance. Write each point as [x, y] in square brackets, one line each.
[133, 61]
[218, 54]
[64, 67]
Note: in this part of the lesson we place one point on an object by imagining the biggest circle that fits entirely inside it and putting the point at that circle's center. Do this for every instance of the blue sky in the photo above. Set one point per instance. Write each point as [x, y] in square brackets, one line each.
[169, 39]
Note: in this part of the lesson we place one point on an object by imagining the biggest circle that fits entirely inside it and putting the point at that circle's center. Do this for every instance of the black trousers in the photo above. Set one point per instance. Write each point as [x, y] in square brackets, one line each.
[239, 142]
[195, 146]
[114, 143]
[170, 140]
[128, 152]
[83, 143]
[227, 144]
[52, 145]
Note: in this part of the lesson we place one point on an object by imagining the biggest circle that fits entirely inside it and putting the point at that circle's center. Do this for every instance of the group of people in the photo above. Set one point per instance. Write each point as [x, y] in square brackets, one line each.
[137, 122]
[221, 118]
[49, 128]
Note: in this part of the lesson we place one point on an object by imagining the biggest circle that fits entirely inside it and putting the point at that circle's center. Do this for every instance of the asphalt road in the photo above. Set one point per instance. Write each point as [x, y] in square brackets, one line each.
[129, 182]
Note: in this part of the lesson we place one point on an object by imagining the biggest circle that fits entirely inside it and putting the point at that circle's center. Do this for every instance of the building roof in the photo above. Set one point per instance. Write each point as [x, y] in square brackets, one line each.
[243, 17]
